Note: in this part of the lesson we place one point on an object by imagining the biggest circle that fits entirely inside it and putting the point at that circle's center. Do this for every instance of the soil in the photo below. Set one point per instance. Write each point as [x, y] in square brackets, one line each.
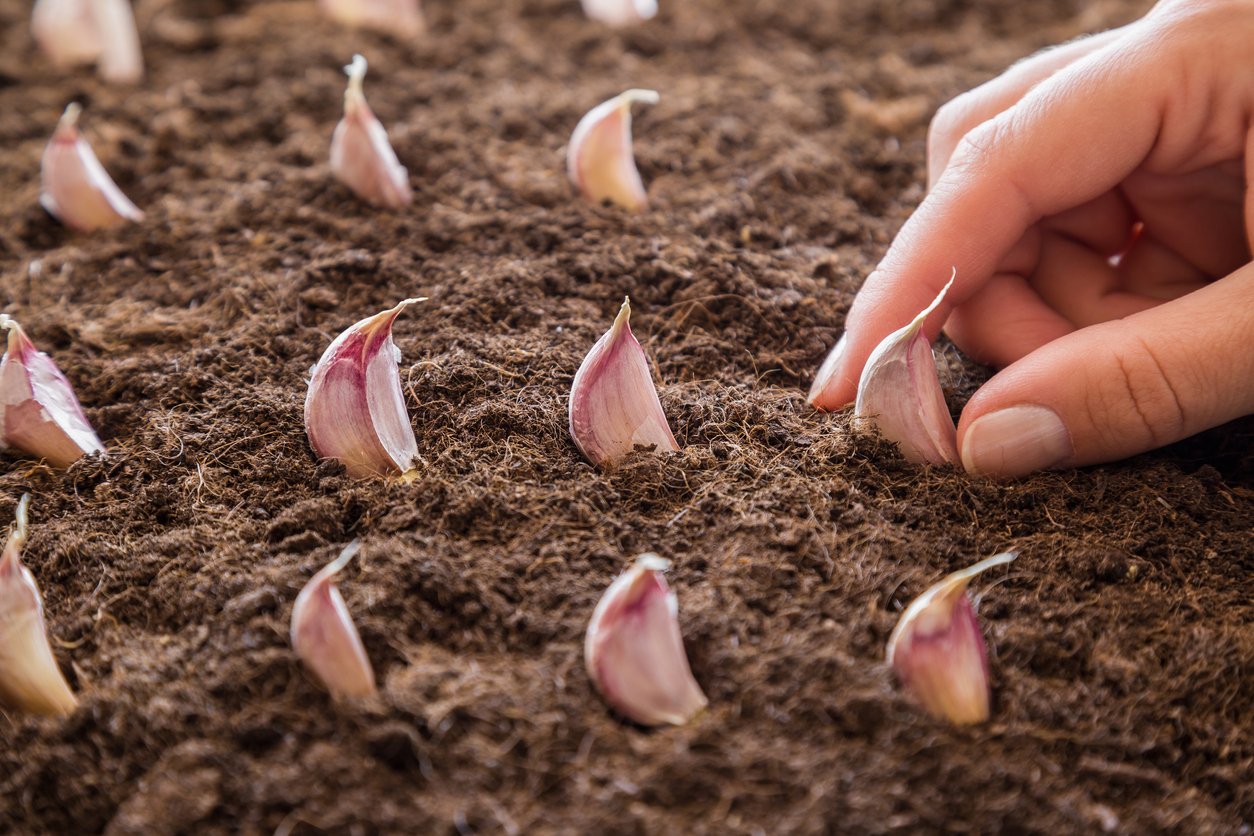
[786, 150]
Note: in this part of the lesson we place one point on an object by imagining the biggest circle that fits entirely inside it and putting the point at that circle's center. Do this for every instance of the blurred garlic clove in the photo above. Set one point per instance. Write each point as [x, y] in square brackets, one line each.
[39, 412]
[901, 394]
[939, 652]
[620, 12]
[634, 652]
[67, 31]
[402, 18]
[76, 189]
[355, 410]
[121, 60]
[599, 159]
[30, 679]
[361, 157]
[324, 637]
[613, 403]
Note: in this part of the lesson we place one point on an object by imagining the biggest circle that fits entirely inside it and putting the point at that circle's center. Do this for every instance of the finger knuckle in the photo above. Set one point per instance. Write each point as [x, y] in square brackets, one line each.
[1148, 395]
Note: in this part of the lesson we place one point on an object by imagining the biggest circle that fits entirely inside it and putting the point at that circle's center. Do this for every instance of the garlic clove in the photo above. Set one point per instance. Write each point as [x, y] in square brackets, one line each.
[402, 18]
[900, 393]
[613, 403]
[939, 652]
[67, 31]
[39, 412]
[121, 60]
[620, 12]
[361, 157]
[30, 679]
[324, 637]
[355, 410]
[76, 189]
[599, 159]
[635, 653]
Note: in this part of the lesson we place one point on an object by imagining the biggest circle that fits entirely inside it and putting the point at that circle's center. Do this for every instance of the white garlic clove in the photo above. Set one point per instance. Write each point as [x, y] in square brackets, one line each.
[121, 61]
[635, 653]
[76, 189]
[620, 12]
[39, 412]
[402, 18]
[900, 393]
[355, 410]
[613, 403]
[939, 652]
[30, 679]
[599, 160]
[67, 31]
[325, 638]
[361, 157]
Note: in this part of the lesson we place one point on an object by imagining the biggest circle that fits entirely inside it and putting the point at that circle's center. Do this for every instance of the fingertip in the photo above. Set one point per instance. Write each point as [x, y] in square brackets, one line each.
[830, 390]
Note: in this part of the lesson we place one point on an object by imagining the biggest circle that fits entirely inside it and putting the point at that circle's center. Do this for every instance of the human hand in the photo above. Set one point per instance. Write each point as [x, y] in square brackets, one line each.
[1135, 143]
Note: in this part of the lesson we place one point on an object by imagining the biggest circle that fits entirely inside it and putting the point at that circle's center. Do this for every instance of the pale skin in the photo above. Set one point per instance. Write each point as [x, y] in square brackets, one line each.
[1039, 177]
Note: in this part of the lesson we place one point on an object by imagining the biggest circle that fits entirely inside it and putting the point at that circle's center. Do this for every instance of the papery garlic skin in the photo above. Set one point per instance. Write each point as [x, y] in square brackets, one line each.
[599, 159]
[30, 679]
[900, 393]
[361, 156]
[73, 32]
[39, 412]
[76, 189]
[401, 18]
[324, 637]
[620, 12]
[613, 403]
[939, 652]
[635, 653]
[355, 409]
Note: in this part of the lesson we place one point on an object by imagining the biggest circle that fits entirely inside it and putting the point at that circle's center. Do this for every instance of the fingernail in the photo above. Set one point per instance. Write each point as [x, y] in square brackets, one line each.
[827, 371]
[1016, 441]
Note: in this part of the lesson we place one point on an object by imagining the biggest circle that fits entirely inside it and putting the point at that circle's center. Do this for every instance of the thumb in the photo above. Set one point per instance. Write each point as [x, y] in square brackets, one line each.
[1119, 388]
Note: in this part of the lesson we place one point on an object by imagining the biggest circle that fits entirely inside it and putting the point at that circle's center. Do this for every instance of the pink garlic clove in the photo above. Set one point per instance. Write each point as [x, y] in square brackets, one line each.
[635, 653]
[355, 409]
[620, 12]
[613, 403]
[599, 160]
[900, 393]
[76, 189]
[39, 412]
[361, 157]
[324, 637]
[73, 32]
[121, 61]
[402, 18]
[939, 652]
[30, 679]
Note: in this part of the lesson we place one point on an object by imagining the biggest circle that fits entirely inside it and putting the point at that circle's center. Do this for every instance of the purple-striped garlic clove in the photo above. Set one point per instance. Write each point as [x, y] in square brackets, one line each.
[613, 403]
[30, 679]
[635, 653]
[76, 189]
[599, 160]
[39, 412]
[324, 637]
[401, 18]
[939, 652]
[355, 410]
[67, 31]
[361, 156]
[900, 393]
[620, 12]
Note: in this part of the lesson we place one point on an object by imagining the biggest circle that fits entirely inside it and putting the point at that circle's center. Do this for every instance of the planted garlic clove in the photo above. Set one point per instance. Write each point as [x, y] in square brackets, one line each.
[599, 159]
[620, 12]
[939, 652]
[355, 410]
[324, 637]
[402, 18]
[613, 403]
[39, 412]
[67, 31]
[76, 189]
[634, 652]
[901, 394]
[361, 157]
[30, 679]
[121, 60]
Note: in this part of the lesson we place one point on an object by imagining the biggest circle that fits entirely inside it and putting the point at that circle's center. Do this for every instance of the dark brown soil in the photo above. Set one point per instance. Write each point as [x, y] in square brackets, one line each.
[786, 150]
